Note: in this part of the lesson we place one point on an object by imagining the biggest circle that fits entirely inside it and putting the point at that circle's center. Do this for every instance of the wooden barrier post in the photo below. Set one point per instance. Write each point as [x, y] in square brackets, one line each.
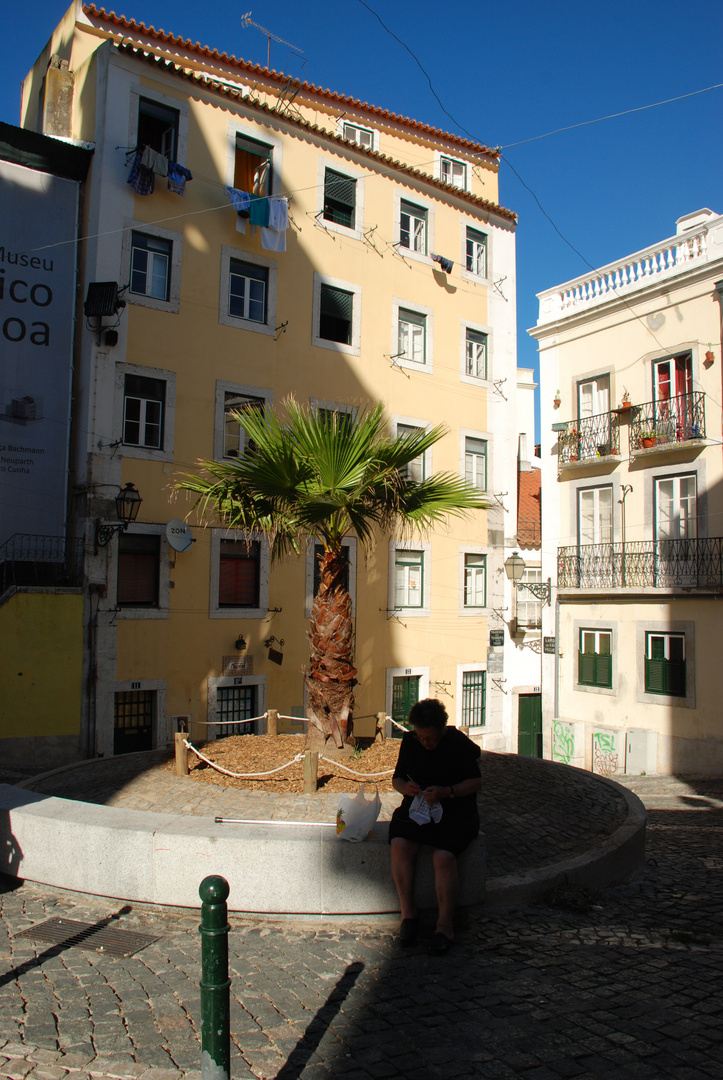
[181, 754]
[381, 732]
[272, 721]
[311, 771]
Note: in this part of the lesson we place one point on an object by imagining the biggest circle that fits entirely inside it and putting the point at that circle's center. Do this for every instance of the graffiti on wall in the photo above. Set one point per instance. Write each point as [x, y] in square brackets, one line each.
[563, 742]
[605, 754]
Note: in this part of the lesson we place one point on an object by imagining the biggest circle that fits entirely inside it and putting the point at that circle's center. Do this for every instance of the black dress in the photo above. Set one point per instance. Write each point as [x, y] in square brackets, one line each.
[455, 759]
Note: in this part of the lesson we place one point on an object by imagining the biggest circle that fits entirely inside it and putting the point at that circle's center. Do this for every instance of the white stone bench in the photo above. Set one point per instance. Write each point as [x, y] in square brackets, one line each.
[162, 858]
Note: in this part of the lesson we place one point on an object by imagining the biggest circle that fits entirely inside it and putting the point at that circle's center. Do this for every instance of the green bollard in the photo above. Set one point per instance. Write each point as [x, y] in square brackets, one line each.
[215, 983]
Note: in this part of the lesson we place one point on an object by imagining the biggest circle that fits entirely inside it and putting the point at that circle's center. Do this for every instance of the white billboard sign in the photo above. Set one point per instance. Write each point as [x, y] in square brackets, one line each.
[38, 229]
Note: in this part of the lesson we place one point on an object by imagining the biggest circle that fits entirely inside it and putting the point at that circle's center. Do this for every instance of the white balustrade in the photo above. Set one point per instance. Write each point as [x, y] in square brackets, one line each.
[635, 272]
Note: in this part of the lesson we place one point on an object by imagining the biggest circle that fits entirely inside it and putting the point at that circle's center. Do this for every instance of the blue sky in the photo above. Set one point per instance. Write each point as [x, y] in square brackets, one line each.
[506, 73]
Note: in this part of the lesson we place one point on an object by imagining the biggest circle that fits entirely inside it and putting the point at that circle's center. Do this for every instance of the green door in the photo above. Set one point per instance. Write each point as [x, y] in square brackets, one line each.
[405, 691]
[529, 740]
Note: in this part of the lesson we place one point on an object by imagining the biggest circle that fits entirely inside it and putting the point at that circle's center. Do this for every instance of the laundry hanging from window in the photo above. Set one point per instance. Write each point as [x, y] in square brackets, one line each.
[446, 264]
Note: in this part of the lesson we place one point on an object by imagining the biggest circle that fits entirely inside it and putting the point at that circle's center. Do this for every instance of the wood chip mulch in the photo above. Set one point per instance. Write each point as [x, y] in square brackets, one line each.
[261, 753]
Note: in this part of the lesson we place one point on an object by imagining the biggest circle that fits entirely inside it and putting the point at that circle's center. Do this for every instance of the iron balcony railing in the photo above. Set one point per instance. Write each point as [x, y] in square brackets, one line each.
[662, 423]
[590, 437]
[42, 561]
[662, 564]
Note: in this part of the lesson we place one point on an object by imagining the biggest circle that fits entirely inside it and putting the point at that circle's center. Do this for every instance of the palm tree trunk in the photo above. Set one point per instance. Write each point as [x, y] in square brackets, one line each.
[331, 676]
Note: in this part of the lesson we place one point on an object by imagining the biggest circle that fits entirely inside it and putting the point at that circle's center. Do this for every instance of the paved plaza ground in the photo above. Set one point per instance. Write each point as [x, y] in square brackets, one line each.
[626, 984]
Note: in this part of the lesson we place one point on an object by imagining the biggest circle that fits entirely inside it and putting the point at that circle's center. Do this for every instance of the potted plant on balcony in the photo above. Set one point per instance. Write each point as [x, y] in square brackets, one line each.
[647, 437]
[625, 403]
[571, 443]
[557, 399]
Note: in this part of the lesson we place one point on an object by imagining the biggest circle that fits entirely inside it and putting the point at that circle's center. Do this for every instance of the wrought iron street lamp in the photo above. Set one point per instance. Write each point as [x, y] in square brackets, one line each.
[127, 503]
[515, 568]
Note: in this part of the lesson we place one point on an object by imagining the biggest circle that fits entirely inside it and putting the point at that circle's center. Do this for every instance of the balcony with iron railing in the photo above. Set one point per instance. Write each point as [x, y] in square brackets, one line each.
[46, 562]
[663, 425]
[638, 564]
[589, 439]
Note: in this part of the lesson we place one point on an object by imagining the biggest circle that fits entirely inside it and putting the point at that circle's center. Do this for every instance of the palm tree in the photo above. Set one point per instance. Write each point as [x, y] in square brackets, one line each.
[327, 475]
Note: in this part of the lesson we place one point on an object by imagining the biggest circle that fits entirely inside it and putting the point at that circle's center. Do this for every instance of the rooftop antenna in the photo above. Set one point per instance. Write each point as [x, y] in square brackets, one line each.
[246, 20]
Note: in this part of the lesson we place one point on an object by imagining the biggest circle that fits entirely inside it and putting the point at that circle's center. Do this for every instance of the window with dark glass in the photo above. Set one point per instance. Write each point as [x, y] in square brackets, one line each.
[143, 406]
[138, 570]
[158, 128]
[239, 573]
[335, 314]
[150, 266]
[339, 198]
[248, 287]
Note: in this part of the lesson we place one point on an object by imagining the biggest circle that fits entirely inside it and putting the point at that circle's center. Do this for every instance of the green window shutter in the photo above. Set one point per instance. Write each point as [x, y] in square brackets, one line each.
[339, 198]
[336, 302]
[586, 668]
[603, 670]
[655, 676]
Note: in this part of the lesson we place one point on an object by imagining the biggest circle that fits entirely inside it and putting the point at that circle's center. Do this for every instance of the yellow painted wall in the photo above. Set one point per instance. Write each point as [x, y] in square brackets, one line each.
[42, 664]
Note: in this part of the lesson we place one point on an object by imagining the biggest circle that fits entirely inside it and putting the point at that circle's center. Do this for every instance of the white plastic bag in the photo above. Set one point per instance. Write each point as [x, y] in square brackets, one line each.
[356, 815]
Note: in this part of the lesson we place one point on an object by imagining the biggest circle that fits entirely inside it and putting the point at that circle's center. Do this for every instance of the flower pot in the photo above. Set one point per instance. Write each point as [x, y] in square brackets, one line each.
[648, 441]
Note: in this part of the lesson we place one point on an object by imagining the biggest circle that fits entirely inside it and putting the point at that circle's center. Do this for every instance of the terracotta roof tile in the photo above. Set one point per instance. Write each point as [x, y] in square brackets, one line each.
[122, 23]
[529, 508]
[202, 78]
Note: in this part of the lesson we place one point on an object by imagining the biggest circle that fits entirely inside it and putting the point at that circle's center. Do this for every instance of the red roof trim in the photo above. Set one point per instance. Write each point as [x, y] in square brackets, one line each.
[120, 21]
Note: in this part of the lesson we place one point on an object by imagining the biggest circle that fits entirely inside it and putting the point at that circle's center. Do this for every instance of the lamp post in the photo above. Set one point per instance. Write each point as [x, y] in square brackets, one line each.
[515, 568]
[127, 503]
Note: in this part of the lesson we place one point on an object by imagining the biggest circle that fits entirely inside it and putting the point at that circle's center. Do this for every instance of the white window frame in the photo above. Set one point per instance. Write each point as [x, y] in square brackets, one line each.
[164, 575]
[215, 683]
[324, 405]
[478, 328]
[341, 167]
[442, 162]
[405, 252]
[675, 479]
[146, 453]
[269, 327]
[219, 430]
[346, 286]
[343, 123]
[470, 610]
[461, 670]
[425, 549]
[237, 613]
[349, 544]
[684, 629]
[399, 305]
[173, 303]
[480, 436]
[402, 422]
[259, 135]
[598, 524]
[526, 601]
[479, 227]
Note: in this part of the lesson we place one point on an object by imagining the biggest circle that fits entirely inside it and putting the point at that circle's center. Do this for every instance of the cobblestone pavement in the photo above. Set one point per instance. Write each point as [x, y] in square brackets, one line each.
[556, 812]
[626, 984]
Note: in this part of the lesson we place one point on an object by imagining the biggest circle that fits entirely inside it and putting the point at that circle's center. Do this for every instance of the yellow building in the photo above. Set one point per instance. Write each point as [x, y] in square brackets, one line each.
[630, 377]
[361, 270]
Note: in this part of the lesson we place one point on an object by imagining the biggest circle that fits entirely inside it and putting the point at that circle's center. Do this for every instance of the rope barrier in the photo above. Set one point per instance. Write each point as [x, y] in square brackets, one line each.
[236, 775]
[364, 776]
[225, 723]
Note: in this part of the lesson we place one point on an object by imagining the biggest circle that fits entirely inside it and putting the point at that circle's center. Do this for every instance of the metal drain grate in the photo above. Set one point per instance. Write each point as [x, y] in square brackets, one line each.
[82, 935]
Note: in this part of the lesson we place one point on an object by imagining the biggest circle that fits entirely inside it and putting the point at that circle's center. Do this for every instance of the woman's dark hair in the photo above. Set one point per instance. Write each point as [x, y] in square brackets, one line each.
[428, 713]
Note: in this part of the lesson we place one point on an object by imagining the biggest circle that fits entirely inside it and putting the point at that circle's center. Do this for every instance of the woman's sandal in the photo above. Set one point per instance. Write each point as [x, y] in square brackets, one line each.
[441, 944]
[408, 931]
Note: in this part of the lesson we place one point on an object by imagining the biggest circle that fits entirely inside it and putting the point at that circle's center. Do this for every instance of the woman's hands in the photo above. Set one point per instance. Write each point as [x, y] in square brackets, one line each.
[435, 793]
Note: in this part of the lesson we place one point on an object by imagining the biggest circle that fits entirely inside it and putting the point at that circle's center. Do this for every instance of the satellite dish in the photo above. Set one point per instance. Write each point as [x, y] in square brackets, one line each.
[178, 535]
